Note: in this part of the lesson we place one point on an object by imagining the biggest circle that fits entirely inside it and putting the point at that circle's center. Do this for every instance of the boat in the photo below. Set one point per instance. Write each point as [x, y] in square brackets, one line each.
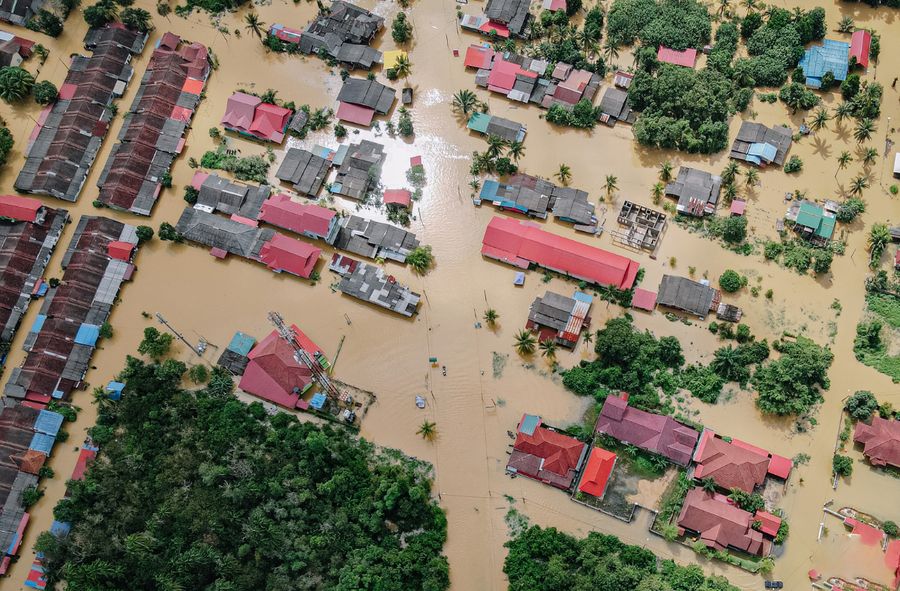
[420, 401]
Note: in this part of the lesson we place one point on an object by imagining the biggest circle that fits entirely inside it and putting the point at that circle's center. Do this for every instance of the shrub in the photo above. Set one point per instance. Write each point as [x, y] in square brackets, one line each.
[890, 528]
[842, 465]
[734, 229]
[144, 233]
[861, 405]
[46, 22]
[730, 281]
[15, 84]
[795, 164]
[849, 209]
[45, 92]
[401, 30]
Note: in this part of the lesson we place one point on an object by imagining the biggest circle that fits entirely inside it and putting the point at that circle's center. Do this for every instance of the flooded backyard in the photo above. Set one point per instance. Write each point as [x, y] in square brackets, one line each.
[487, 386]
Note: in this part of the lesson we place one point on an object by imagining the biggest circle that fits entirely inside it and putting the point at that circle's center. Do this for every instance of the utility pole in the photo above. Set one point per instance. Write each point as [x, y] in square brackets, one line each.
[199, 349]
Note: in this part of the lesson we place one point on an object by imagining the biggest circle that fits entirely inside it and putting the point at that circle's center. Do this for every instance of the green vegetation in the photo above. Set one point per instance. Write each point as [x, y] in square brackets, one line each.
[6, 142]
[405, 123]
[420, 259]
[733, 364]
[144, 234]
[100, 14]
[797, 96]
[525, 342]
[730, 281]
[137, 19]
[794, 164]
[216, 503]
[777, 45]
[106, 330]
[464, 101]
[678, 25]
[791, 383]
[210, 6]
[849, 209]
[702, 382]
[401, 29]
[46, 22]
[862, 405]
[556, 40]
[842, 465]
[879, 238]
[750, 502]
[673, 498]
[548, 560]
[890, 528]
[799, 255]
[15, 84]
[584, 114]
[155, 344]
[245, 168]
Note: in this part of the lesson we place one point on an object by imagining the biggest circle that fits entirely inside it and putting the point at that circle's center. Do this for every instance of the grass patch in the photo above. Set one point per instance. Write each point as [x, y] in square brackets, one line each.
[886, 306]
[643, 464]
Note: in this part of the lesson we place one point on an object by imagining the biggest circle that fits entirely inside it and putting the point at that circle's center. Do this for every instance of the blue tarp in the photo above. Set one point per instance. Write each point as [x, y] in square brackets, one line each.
[114, 389]
[42, 290]
[520, 278]
[58, 394]
[529, 424]
[42, 443]
[48, 422]
[87, 335]
[60, 529]
[582, 297]
[241, 343]
[317, 401]
[38, 323]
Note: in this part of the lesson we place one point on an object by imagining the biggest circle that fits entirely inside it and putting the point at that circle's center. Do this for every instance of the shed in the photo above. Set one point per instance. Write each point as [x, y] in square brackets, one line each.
[114, 390]
[737, 207]
[685, 294]
[318, 401]
[397, 197]
[120, 250]
[597, 472]
[355, 114]
[644, 299]
[241, 343]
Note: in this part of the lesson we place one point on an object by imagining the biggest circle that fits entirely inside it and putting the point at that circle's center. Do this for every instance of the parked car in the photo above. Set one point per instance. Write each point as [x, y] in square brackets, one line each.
[774, 585]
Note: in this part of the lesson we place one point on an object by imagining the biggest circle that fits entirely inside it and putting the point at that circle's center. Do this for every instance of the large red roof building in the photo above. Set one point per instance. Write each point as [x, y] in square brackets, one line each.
[274, 375]
[720, 524]
[880, 440]
[655, 433]
[729, 465]
[545, 455]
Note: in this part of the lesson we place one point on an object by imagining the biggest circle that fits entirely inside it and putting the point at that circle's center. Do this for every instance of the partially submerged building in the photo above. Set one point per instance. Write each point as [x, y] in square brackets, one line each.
[688, 295]
[249, 116]
[223, 235]
[152, 134]
[614, 107]
[512, 14]
[757, 144]
[283, 254]
[374, 240]
[880, 439]
[559, 318]
[655, 433]
[597, 472]
[545, 455]
[860, 43]
[215, 193]
[523, 244]
[69, 133]
[19, 12]
[306, 219]
[361, 99]
[535, 197]
[304, 171]
[64, 334]
[813, 221]
[29, 232]
[831, 56]
[686, 58]
[343, 32]
[505, 129]
[13, 49]
[643, 226]
[697, 191]
[274, 373]
[720, 525]
[370, 283]
[735, 464]
[359, 169]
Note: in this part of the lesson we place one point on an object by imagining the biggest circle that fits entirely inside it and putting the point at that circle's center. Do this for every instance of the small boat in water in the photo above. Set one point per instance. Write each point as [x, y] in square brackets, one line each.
[420, 401]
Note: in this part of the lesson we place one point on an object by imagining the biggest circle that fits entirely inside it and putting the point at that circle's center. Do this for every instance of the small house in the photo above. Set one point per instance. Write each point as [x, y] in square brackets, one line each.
[685, 58]
[688, 295]
[597, 472]
[369, 283]
[360, 100]
[513, 14]
[659, 434]
[614, 107]
[505, 129]
[831, 56]
[860, 43]
[697, 191]
[812, 221]
[248, 115]
[545, 455]
[757, 144]
[560, 318]
[719, 524]
[304, 170]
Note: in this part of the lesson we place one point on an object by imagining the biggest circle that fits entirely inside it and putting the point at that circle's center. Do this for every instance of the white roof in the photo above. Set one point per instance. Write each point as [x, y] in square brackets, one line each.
[897, 163]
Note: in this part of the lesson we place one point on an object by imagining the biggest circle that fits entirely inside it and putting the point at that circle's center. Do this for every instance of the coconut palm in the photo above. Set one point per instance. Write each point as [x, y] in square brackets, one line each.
[525, 342]
[402, 66]
[820, 119]
[708, 484]
[516, 150]
[611, 185]
[428, 430]
[879, 237]
[564, 174]
[665, 171]
[730, 192]
[491, 317]
[751, 177]
[728, 362]
[846, 25]
[610, 51]
[750, 5]
[723, 7]
[842, 111]
[869, 156]
[588, 338]
[548, 348]
[730, 172]
[858, 184]
[464, 101]
[495, 146]
[254, 25]
[843, 160]
[15, 84]
[657, 192]
[864, 130]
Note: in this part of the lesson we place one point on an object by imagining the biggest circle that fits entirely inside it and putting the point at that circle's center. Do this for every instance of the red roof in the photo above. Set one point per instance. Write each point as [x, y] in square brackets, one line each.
[881, 441]
[355, 114]
[32, 461]
[547, 456]
[859, 47]
[597, 472]
[24, 209]
[730, 466]
[686, 58]
[868, 534]
[169, 40]
[657, 433]
[780, 466]
[280, 210]
[770, 523]
[269, 122]
[84, 459]
[503, 75]
[120, 250]
[720, 524]
[501, 29]
[240, 110]
[738, 207]
[273, 374]
[522, 243]
[644, 299]
[286, 254]
[398, 196]
[479, 56]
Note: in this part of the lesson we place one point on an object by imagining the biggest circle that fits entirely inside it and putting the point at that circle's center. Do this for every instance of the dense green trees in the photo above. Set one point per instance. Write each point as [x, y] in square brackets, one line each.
[673, 23]
[542, 559]
[401, 29]
[861, 405]
[46, 22]
[6, 143]
[791, 383]
[200, 491]
[777, 45]
[731, 281]
[15, 84]
[45, 92]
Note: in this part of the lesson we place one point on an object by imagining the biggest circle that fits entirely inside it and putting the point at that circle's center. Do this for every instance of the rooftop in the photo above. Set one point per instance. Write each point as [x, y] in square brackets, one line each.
[301, 218]
[720, 524]
[371, 284]
[304, 170]
[752, 138]
[512, 13]
[832, 56]
[730, 466]
[688, 295]
[697, 191]
[659, 434]
[544, 454]
[686, 58]
[248, 115]
[881, 441]
[597, 472]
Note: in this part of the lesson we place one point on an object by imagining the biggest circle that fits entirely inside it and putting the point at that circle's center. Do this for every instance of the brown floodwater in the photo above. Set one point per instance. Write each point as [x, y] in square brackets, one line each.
[388, 355]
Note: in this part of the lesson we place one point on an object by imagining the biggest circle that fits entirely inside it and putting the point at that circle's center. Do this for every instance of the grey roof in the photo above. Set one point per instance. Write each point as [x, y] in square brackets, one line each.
[298, 121]
[572, 205]
[752, 133]
[615, 104]
[219, 232]
[373, 239]
[512, 13]
[505, 128]
[349, 22]
[552, 310]
[233, 362]
[684, 294]
[19, 12]
[306, 171]
[697, 191]
[370, 284]
[221, 194]
[367, 93]
[359, 170]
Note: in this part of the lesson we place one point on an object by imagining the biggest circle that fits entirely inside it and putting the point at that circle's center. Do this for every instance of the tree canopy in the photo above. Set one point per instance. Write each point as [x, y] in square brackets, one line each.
[678, 24]
[790, 384]
[196, 490]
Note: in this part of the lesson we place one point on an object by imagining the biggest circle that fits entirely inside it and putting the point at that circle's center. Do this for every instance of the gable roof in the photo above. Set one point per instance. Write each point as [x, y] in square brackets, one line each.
[478, 56]
[832, 56]
[302, 218]
[750, 133]
[239, 110]
[860, 43]
[23, 209]
[686, 294]
[596, 473]
[656, 433]
[881, 441]
[287, 254]
[730, 466]
[512, 13]
[544, 454]
[367, 93]
[686, 58]
[720, 524]
[273, 374]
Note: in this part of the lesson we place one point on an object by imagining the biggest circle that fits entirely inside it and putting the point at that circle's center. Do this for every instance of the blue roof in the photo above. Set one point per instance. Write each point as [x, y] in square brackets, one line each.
[42, 289]
[115, 387]
[529, 424]
[489, 190]
[580, 296]
[317, 401]
[38, 323]
[48, 422]
[832, 56]
[42, 442]
[87, 334]
[762, 151]
[241, 343]
[60, 529]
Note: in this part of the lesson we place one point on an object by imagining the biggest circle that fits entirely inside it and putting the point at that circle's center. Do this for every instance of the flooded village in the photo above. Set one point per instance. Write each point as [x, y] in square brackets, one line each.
[422, 243]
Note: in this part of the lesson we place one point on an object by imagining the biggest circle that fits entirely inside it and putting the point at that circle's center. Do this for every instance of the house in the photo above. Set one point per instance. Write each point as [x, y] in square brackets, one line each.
[597, 472]
[832, 56]
[343, 32]
[231, 236]
[69, 133]
[812, 221]
[374, 240]
[397, 197]
[574, 88]
[248, 115]
[545, 455]
[559, 318]
[152, 135]
[306, 219]
[371, 284]
[479, 56]
[513, 14]
[719, 524]
[359, 169]
[520, 199]
[697, 191]
[730, 466]
[757, 144]
[304, 170]
[655, 433]
[18, 12]
[880, 440]
[554, 5]
[298, 258]
[535, 197]
[688, 295]
[483, 25]
[686, 58]
[489, 125]
[274, 374]
[523, 244]
[220, 194]
[614, 107]
[644, 299]
[13, 50]
[768, 523]
[860, 43]
[622, 79]
[360, 100]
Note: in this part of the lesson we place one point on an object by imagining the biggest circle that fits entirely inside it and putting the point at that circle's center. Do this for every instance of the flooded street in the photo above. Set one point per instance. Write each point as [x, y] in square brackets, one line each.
[387, 354]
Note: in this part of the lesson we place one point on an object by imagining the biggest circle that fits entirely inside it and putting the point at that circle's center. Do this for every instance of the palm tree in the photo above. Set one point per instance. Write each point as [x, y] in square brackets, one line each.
[588, 338]
[495, 146]
[610, 51]
[516, 150]
[842, 111]
[751, 177]
[254, 25]
[858, 184]
[820, 119]
[548, 348]
[843, 160]
[708, 484]
[525, 342]
[846, 25]
[428, 430]
[665, 171]
[564, 174]
[750, 5]
[723, 7]
[869, 156]
[657, 192]
[490, 317]
[864, 130]
[402, 66]
[464, 101]
[879, 237]
[730, 192]
[611, 185]
[15, 84]
[729, 173]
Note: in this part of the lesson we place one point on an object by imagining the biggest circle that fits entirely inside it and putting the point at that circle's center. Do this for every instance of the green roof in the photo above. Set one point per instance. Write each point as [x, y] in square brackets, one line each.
[479, 122]
[826, 228]
[810, 215]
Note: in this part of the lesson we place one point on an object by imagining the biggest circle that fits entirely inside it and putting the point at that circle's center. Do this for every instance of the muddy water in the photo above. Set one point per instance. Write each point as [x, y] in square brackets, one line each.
[389, 355]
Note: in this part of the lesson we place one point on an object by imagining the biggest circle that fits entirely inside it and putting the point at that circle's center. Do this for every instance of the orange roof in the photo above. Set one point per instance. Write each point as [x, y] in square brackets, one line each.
[597, 472]
[32, 461]
[120, 250]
